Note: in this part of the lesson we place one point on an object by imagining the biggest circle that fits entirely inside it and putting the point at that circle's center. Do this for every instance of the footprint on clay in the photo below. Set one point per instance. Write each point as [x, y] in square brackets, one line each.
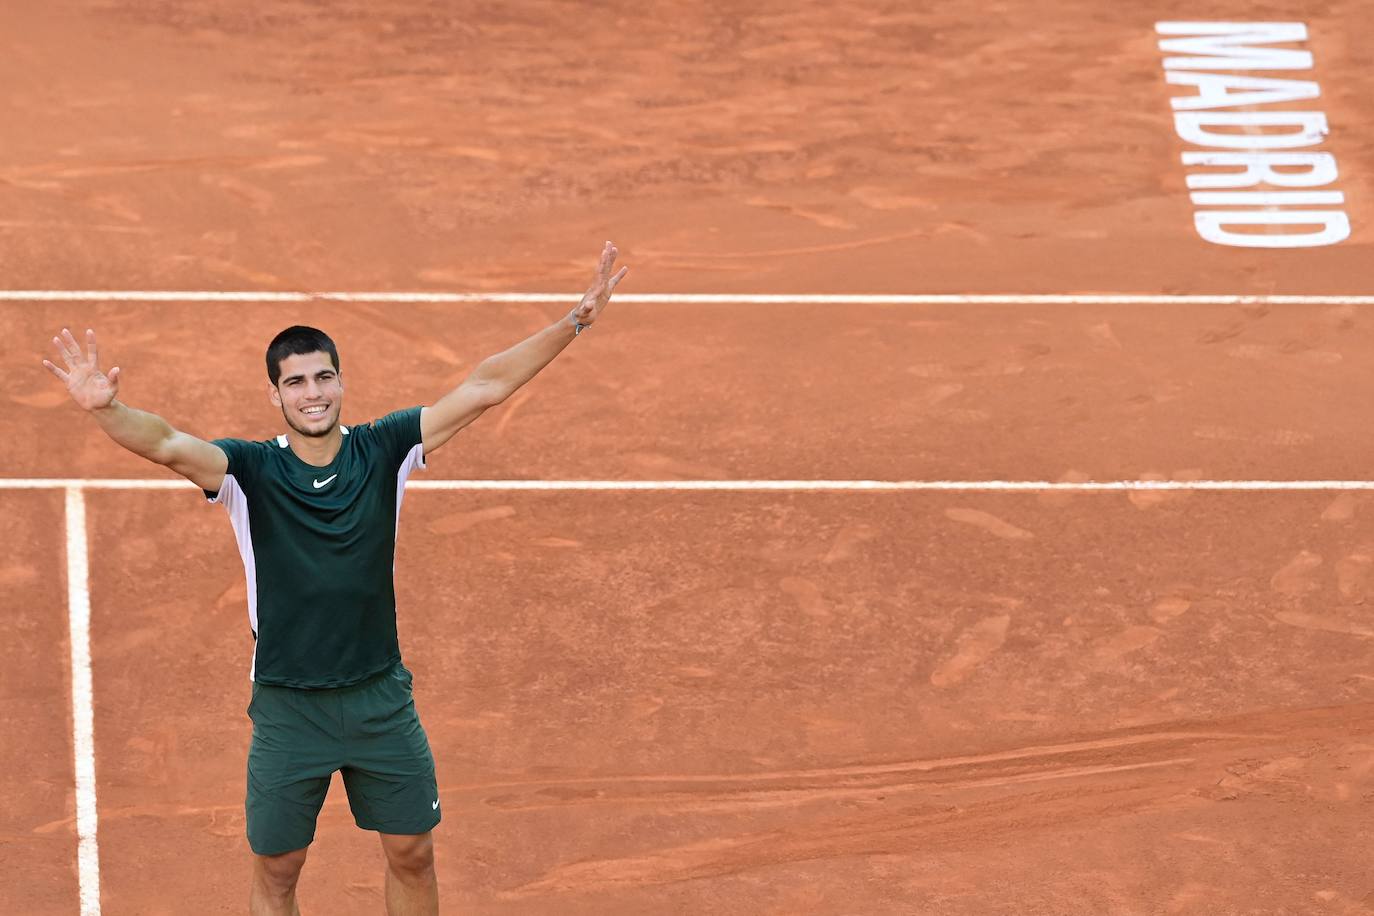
[260, 200]
[989, 523]
[1167, 609]
[975, 646]
[934, 395]
[963, 230]
[965, 415]
[807, 595]
[235, 596]
[1340, 509]
[1148, 499]
[878, 198]
[667, 464]
[973, 370]
[461, 521]
[1102, 335]
[1063, 497]
[847, 541]
[1333, 622]
[555, 542]
[1351, 574]
[1127, 641]
[44, 398]
[1295, 578]
[828, 220]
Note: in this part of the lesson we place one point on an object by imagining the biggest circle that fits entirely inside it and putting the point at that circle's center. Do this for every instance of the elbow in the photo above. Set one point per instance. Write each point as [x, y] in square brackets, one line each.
[484, 387]
[161, 453]
[487, 392]
[496, 396]
[474, 395]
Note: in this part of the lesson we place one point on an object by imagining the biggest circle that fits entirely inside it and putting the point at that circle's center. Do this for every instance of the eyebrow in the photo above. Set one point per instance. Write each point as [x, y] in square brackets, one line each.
[299, 376]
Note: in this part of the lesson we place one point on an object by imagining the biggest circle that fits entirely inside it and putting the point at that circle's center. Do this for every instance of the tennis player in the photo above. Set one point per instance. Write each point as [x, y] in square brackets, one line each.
[314, 511]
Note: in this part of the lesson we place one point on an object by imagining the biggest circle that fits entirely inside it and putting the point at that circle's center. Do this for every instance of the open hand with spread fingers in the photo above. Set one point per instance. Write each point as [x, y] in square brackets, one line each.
[600, 292]
[89, 387]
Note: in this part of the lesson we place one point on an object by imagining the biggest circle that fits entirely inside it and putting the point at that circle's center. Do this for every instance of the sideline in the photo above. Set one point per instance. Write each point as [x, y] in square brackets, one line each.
[83, 719]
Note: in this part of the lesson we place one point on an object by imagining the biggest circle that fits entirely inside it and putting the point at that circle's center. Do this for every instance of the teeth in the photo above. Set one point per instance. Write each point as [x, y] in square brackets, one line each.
[313, 410]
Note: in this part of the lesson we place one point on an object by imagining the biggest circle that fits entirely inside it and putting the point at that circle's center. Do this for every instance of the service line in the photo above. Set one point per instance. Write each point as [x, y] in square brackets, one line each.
[187, 296]
[76, 484]
[83, 717]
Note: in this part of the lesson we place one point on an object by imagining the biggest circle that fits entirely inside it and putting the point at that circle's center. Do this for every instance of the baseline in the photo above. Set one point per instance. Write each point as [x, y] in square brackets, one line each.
[964, 486]
[124, 295]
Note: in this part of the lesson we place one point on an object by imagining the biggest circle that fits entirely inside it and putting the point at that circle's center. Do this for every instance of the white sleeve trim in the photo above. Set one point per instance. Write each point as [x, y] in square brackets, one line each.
[236, 501]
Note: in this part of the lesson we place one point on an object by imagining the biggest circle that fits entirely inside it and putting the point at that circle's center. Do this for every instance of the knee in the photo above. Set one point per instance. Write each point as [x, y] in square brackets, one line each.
[411, 855]
[280, 873]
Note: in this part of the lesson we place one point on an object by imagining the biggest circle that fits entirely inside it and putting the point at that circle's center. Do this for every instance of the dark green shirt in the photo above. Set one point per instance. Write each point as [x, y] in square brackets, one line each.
[319, 548]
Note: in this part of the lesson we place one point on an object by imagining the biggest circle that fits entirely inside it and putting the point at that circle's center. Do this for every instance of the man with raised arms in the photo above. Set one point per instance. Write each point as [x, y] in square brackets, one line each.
[314, 513]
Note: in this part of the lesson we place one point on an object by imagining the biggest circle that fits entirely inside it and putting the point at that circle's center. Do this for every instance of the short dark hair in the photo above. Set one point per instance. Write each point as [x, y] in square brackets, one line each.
[298, 340]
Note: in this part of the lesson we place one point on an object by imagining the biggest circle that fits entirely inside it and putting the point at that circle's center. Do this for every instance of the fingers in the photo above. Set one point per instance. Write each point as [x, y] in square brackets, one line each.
[62, 376]
[71, 350]
[608, 255]
[113, 376]
[602, 285]
[70, 345]
[67, 357]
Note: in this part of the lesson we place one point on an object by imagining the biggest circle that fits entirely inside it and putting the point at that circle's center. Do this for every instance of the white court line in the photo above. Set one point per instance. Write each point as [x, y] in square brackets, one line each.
[83, 718]
[126, 295]
[878, 486]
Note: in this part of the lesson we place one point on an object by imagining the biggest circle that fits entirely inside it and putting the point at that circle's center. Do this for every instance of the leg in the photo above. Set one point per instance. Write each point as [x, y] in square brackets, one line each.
[288, 778]
[274, 884]
[391, 788]
[412, 889]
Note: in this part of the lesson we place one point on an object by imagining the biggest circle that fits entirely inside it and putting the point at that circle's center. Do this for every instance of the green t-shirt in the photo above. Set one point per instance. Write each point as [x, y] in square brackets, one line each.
[319, 548]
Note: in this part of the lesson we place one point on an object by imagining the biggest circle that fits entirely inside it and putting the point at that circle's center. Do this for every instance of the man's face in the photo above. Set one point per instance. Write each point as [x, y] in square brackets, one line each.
[309, 393]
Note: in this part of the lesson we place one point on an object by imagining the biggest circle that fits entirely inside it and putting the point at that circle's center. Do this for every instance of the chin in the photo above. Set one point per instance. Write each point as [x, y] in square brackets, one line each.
[313, 433]
[318, 433]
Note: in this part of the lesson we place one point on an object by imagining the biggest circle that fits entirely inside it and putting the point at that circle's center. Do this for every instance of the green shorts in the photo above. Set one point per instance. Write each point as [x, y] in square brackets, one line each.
[369, 731]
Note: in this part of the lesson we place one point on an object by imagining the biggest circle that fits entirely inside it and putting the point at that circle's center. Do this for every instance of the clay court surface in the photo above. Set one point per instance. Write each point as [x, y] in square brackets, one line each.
[729, 701]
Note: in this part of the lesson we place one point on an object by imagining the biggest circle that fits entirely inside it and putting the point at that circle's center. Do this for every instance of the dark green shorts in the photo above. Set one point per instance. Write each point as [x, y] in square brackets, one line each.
[369, 731]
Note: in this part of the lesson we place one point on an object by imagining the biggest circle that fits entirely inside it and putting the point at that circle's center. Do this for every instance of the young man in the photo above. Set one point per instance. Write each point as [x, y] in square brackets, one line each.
[314, 512]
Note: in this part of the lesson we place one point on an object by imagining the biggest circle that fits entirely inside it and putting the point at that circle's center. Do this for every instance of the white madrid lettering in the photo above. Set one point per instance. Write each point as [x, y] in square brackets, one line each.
[1252, 149]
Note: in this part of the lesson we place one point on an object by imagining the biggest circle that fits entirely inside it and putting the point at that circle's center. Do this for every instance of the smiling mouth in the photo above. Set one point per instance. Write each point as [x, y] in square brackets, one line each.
[315, 412]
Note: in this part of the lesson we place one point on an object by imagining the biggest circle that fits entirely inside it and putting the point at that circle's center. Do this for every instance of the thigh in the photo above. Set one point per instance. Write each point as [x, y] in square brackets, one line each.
[389, 768]
[290, 762]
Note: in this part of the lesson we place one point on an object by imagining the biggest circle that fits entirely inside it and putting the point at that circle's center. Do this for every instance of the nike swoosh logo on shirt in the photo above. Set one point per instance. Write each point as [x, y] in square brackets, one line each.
[325, 482]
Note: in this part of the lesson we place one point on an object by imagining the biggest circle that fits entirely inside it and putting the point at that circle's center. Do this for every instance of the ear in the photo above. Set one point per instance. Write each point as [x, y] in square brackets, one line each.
[273, 394]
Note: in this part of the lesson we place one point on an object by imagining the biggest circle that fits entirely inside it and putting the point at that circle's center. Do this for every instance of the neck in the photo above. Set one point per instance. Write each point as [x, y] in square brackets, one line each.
[318, 451]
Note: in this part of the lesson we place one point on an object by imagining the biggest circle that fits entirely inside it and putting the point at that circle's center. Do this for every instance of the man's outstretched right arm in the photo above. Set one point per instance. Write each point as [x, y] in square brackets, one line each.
[138, 431]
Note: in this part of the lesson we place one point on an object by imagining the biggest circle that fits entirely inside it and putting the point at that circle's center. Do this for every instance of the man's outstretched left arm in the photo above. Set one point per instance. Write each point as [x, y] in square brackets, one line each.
[498, 377]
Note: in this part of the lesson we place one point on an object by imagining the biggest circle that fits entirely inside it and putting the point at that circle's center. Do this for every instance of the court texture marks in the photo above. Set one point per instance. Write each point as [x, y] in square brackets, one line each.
[936, 522]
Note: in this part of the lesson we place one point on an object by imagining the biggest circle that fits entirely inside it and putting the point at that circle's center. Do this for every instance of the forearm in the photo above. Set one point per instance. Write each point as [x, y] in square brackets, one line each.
[140, 432]
[505, 372]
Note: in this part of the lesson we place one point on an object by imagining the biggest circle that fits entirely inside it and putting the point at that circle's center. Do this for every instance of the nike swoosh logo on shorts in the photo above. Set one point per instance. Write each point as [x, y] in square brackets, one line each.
[436, 804]
[325, 482]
